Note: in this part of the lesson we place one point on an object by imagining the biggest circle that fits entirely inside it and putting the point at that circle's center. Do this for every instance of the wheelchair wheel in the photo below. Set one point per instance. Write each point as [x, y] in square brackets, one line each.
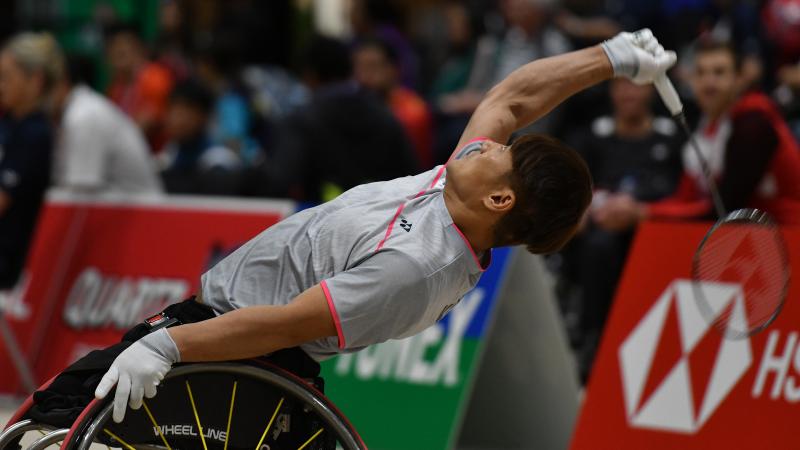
[221, 406]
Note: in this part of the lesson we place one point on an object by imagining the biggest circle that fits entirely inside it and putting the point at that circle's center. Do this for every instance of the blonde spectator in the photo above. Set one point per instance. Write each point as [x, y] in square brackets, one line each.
[30, 64]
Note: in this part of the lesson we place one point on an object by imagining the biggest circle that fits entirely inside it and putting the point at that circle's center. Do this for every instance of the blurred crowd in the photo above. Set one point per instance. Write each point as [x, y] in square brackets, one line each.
[305, 99]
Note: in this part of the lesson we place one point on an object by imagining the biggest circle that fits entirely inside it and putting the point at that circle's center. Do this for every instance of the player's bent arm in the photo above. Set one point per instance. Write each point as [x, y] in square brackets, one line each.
[533, 90]
[256, 330]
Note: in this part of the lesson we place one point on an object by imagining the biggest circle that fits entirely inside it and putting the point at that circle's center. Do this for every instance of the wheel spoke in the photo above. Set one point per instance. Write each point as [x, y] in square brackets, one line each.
[310, 439]
[196, 416]
[230, 415]
[119, 439]
[272, 419]
[158, 428]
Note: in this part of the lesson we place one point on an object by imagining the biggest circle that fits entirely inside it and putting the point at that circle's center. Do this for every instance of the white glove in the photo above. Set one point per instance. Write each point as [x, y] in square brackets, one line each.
[638, 56]
[138, 370]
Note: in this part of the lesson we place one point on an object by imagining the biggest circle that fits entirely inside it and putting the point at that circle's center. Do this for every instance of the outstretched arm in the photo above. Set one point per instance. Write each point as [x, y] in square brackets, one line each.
[533, 90]
[537, 87]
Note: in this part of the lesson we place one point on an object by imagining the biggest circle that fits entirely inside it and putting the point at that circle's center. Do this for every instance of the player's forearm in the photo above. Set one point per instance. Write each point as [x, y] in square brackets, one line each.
[256, 330]
[239, 334]
[536, 88]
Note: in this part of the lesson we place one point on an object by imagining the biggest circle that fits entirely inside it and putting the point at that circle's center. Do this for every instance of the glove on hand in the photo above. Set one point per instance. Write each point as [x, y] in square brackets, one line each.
[138, 370]
[638, 56]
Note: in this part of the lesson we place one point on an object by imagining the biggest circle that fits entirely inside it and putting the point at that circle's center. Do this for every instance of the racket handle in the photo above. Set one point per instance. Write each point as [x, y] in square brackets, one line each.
[668, 94]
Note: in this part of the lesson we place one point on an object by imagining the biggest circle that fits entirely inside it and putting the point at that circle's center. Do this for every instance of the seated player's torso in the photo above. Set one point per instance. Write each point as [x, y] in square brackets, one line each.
[406, 215]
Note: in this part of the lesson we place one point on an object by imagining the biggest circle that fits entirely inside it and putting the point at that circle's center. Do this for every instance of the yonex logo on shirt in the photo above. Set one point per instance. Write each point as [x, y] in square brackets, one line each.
[406, 225]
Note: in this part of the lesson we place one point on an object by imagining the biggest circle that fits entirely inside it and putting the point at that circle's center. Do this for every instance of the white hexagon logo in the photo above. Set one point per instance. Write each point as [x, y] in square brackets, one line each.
[670, 406]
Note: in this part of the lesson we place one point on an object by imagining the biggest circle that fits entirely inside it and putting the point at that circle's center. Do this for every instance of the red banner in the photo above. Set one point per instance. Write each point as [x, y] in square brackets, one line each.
[98, 267]
[665, 379]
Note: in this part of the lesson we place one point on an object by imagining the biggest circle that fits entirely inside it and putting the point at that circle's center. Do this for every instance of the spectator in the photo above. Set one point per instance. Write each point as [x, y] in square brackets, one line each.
[749, 148]
[632, 152]
[454, 75]
[733, 21]
[138, 86]
[30, 63]
[191, 161]
[781, 24]
[174, 38]
[217, 66]
[376, 68]
[99, 149]
[589, 25]
[343, 138]
[529, 35]
[380, 19]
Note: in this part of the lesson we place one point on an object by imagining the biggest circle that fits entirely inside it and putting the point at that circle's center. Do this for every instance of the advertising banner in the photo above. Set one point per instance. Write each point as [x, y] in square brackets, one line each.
[412, 393]
[665, 379]
[98, 266]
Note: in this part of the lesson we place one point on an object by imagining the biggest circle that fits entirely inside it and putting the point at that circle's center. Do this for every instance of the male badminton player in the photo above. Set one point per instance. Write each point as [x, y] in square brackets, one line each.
[386, 260]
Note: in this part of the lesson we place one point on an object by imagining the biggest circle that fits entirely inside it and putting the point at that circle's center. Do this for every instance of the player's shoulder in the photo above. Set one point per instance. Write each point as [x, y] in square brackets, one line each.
[89, 108]
[753, 103]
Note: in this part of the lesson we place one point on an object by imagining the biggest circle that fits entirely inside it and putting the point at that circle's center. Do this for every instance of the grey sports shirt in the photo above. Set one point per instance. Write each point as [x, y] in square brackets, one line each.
[388, 256]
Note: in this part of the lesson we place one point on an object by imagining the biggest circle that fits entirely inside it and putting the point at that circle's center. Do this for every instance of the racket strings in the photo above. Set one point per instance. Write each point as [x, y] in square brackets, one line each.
[750, 256]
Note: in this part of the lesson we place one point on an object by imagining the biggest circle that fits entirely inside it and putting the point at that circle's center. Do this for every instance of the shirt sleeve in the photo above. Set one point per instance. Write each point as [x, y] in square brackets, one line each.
[380, 299]
[751, 147]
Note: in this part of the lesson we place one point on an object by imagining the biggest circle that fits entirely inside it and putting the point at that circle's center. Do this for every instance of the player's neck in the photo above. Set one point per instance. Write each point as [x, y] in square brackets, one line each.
[471, 224]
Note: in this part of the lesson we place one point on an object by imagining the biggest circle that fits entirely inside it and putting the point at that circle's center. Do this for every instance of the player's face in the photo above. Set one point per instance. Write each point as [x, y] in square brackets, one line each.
[481, 173]
[629, 99]
[714, 81]
[123, 54]
[373, 70]
[16, 87]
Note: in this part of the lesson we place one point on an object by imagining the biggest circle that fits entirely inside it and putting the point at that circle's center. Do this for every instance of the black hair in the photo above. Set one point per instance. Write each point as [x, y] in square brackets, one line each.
[708, 44]
[194, 93]
[553, 188]
[386, 49]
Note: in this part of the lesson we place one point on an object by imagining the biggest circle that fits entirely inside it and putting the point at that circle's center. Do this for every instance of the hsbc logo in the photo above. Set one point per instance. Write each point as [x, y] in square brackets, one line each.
[676, 369]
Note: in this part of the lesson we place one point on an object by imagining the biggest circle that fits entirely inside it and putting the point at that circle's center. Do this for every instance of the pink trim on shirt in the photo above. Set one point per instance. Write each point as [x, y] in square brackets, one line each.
[474, 256]
[391, 225]
[436, 179]
[334, 314]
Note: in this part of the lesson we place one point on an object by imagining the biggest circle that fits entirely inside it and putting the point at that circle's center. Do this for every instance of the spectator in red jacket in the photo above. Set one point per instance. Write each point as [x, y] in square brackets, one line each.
[753, 156]
[375, 66]
[138, 86]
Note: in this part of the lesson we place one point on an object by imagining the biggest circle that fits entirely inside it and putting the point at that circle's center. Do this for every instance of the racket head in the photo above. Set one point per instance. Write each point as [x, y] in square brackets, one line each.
[743, 255]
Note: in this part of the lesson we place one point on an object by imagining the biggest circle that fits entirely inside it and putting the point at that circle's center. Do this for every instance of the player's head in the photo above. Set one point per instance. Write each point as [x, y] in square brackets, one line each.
[188, 111]
[534, 192]
[30, 65]
[630, 100]
[125, 50]
[375, 66]
[714, 76]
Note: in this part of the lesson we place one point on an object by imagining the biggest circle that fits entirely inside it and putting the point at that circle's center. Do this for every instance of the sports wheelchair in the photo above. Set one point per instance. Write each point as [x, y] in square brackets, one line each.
[241, 405]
